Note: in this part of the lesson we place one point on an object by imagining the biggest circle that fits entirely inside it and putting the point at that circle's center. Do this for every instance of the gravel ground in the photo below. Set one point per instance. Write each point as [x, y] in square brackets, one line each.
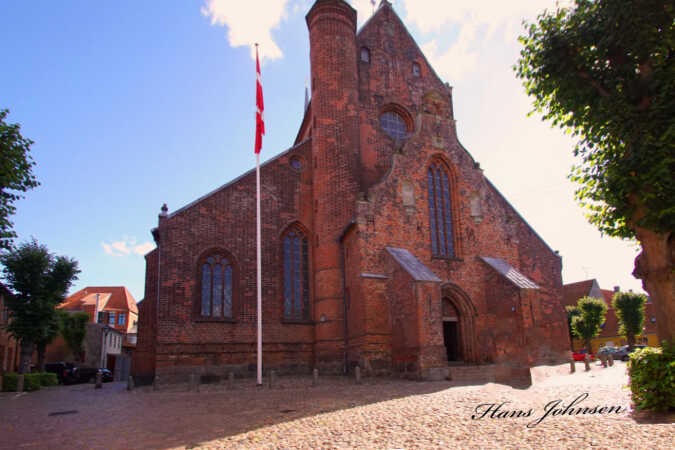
[443, 419]
[380, 413]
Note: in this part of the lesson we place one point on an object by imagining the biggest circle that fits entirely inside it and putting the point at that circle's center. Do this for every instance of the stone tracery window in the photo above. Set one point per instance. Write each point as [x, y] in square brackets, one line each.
[440, 212]
[216, 287]
[394, 125]
[295, 275]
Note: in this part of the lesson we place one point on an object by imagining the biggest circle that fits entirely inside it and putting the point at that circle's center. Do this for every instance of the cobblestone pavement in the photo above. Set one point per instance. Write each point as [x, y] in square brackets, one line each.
[379, 413]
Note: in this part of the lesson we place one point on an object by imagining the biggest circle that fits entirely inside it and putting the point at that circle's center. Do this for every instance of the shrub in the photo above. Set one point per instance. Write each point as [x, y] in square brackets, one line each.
[31, 382]
[9, 381]
[48, 379]
[652, 377]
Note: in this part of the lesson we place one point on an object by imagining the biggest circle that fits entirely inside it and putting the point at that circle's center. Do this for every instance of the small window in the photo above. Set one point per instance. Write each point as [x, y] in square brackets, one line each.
[296, 163]
[365, 55]
[416, 69]
[394, 125]
[111, 318]
[121, 319]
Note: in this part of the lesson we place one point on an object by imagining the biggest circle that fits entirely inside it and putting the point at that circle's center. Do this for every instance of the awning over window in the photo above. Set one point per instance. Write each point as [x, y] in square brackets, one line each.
[511, 274]
[412, 265]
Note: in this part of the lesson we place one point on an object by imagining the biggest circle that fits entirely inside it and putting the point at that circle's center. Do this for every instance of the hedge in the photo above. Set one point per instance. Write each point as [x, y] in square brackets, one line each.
[652, 377]
[9, 381]
[48, 379]
[31, 382]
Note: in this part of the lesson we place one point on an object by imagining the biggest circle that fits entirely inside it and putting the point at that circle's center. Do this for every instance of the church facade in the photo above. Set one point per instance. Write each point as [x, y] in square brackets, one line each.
[384, 245]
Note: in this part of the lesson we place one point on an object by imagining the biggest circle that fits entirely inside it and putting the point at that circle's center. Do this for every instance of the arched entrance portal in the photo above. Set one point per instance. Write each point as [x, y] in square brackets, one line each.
[459, 330]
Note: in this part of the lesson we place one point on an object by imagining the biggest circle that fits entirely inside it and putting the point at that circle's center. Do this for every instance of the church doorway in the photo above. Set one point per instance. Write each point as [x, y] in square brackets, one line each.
[451, 340]
[451, 331]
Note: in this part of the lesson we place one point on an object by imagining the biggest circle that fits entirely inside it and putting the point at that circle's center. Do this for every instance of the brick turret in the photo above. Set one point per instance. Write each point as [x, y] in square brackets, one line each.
[335, 150]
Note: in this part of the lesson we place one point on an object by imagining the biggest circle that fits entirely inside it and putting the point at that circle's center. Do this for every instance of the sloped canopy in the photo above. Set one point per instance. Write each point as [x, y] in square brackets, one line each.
[512, 275]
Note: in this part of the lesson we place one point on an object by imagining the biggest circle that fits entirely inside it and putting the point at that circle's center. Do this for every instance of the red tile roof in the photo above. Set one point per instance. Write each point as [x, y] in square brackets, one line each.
[115, 298]
[572, 292]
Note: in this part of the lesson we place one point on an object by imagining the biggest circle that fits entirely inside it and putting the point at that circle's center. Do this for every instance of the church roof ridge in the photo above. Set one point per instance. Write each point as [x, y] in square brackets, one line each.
[231, 182]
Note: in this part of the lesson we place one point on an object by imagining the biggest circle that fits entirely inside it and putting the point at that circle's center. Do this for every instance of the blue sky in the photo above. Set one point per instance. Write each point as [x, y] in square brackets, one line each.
[133, 104]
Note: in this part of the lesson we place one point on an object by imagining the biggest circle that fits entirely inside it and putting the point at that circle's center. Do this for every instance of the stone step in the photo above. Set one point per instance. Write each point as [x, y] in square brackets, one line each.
[473, 374]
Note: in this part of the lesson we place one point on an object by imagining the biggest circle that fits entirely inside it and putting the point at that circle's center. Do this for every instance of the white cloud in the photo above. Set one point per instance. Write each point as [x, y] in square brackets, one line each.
[249, 22]
[478, 21]
[143, 248]
[126, 246]
[120, 246]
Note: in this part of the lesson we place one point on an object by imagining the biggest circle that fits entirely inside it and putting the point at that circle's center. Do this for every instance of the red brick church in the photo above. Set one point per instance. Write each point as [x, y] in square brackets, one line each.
[384, 245]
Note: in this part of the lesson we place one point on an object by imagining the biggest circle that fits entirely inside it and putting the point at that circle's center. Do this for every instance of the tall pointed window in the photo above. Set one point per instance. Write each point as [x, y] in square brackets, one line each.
[296, 275]
[440, 213]
[216, 287]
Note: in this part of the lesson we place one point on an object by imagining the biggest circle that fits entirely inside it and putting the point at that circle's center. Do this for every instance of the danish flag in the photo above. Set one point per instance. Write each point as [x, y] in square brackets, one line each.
[260, 107]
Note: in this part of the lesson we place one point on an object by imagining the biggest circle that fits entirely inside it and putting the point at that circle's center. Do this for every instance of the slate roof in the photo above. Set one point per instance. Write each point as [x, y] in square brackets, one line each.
[504, 269]
[412, 265]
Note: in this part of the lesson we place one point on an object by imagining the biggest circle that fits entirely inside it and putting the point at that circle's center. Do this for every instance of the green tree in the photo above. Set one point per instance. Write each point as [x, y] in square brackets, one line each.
[572, 311]
[586, 324]
[73, 331]
[50, 330]
[604, 71]
[16, 174]
[39, 281]
[630, 310]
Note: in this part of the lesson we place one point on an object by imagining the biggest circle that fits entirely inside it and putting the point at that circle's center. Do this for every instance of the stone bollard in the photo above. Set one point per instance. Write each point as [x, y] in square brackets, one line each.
[587, 362]
[99, 380]
[230, 380]
[272, 379]
[19, 383]
[130, 383]
[315, 377]
[357, 373]
[611, 360]
[155, 383]
[603, 360]
[194, 382]
[572, 366]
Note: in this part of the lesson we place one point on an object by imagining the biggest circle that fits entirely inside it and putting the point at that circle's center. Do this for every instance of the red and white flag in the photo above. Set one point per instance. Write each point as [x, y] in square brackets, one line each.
[260, 107]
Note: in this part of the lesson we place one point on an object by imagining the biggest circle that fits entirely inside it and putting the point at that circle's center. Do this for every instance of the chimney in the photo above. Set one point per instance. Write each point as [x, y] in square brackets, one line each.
[616, 288]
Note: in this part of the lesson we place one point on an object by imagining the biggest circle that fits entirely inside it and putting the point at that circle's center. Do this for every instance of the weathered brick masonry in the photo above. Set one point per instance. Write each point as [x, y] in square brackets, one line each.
[380, 295]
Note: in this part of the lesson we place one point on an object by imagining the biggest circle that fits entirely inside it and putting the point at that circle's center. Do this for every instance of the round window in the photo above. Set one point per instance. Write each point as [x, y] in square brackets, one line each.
[394, 125]
[296, 163]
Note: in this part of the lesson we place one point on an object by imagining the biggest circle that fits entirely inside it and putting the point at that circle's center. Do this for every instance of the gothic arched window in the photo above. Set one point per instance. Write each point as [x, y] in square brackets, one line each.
[295, 275]
[440, 212]
[216, 279]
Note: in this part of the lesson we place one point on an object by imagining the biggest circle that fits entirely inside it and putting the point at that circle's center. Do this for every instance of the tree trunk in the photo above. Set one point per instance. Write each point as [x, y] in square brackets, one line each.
[26, 356]
[587, 343]
[654, 266]
[41, 348]
[630, 338]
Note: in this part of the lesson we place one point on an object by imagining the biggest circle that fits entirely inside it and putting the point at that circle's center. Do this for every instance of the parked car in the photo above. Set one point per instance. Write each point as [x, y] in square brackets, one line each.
[608, 350]
[61, 369]
[88, 375]
[625, 351]
[581, 355]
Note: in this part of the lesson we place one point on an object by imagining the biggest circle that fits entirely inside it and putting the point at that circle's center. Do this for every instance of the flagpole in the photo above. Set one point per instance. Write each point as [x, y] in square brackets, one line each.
[259, 271]
[258, 253]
